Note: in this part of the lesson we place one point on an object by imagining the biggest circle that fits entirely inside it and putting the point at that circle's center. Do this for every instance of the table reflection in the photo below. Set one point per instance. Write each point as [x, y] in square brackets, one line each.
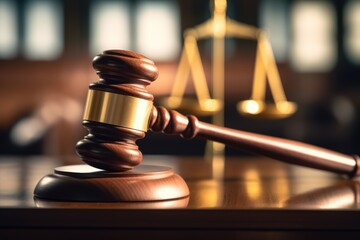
[341, 195]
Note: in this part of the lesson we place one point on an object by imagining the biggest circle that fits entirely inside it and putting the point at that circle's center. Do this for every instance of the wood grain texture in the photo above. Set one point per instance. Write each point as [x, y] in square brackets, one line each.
[258, 198]
[251, 183]
[107, 146]
[82, 183]
[172, 122]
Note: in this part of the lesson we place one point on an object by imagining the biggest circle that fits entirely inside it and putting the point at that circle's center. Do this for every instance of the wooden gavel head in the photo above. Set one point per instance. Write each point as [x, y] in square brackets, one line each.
[117, 110]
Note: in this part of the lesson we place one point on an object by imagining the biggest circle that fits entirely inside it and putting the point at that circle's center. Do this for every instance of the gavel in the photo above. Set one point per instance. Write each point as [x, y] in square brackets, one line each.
[119, 110]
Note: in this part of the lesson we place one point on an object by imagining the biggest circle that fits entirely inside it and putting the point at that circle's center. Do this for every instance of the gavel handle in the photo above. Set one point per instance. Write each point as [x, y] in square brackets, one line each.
[282, 149]
[172, 122]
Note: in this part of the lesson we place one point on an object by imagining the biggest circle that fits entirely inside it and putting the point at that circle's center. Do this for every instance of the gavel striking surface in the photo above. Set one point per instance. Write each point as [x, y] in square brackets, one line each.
[88, 184]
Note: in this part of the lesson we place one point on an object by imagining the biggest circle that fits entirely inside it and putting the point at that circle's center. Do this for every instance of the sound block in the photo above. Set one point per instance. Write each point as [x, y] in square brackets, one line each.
[83, 183]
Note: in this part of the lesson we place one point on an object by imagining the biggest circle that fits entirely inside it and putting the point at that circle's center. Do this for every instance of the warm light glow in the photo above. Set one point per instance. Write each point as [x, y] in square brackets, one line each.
[352, 30]
[158, 30]
[281, 187]
[109, 26]
[339, 202]
[8, 29]
[218, 164]
[166, 192]
[313, 47]
[251, 106]
[286, 107]
[210, 104]
[9, 176]
[174, 102]
[43, 29]
[209, 193]
[253, 184]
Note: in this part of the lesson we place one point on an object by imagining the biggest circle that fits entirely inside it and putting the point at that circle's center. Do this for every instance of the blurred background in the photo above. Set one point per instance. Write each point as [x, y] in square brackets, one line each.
[46, 49]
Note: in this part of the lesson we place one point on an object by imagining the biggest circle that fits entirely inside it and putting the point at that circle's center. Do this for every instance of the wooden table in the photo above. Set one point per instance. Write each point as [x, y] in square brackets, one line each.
[253, 198]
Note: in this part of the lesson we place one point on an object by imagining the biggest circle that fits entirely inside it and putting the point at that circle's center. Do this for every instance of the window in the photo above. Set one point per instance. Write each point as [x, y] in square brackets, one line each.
[109, 26]
[157, 29]
[8, 28]
[273, 18]
[352, 31]
[43, 30]
[314, 47]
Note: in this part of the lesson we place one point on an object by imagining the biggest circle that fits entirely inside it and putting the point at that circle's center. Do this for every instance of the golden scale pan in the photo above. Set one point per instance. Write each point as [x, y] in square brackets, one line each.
[190, 62]
[219, 27]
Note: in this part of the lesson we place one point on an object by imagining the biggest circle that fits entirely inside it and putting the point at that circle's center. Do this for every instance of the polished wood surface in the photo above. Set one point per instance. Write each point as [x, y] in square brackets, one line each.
[256, 197]
[83, 183]
[247, 182]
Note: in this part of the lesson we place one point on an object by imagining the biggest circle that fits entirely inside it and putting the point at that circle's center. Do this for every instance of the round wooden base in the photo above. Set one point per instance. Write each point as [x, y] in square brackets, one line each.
[165, 204]
[83, 183]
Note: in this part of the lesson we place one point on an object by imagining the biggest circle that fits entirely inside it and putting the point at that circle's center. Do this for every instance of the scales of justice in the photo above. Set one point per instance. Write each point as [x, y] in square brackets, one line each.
[218, 28]
[119, 110]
